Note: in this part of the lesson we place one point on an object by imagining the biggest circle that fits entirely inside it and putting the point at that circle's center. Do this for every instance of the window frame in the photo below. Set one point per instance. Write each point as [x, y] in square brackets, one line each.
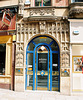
[8, 55]
[42, 4]
[73, 1]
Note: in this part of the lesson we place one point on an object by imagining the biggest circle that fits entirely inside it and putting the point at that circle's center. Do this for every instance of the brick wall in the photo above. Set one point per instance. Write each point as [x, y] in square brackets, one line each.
[61, 3]
[5, 86]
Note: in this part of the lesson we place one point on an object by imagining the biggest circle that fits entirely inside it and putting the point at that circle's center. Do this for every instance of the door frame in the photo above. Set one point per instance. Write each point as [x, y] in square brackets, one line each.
[33, 52]
[47, 65]
[40, 44]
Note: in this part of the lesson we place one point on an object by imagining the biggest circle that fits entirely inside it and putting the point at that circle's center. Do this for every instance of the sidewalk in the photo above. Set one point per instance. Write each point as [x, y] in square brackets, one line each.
[35, 95]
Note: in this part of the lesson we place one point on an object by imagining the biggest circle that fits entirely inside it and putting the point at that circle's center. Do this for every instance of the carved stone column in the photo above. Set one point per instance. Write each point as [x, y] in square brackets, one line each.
[21, 8]
[42, 25]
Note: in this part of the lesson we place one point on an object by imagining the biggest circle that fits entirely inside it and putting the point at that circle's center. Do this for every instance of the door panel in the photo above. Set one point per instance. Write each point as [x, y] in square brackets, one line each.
[42, 71]
[42, 61]
[55, 72]
[30, 71]
[46, 75]
[42, 81]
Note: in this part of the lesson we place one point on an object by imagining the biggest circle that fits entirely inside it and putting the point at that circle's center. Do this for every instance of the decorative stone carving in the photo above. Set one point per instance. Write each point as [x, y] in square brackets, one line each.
[59, 29]
[21, 8]
[42, 12]
[65, 72]
[20, 47]
[76, 10]
[19, 59]
[42, 27]
[20, 1]
[65, 60]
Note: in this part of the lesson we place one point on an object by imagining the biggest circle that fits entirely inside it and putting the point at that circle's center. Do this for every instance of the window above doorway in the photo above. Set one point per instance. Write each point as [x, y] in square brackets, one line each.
[43, 39]
[42, 2]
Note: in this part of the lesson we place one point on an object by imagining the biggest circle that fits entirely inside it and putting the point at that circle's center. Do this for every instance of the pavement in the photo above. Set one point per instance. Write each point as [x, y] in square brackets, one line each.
[35, 95]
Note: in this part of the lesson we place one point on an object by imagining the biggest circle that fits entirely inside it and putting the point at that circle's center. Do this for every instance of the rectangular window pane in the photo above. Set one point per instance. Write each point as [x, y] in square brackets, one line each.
[55, 62]
[42, 80]
[42, 61]
[77, 0]
[2, 58]
[38, 2]
[30, 61]
[55, 81]
[44, 2]
[30, 80]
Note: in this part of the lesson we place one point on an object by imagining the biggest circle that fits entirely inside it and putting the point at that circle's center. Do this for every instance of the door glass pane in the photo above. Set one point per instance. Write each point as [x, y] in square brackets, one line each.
[31, 47]
[30, 62]
[55, 81]
[42, 61]
[42, 81]
[30, 80]
[43, 40]
[55, 62]
[54, 47]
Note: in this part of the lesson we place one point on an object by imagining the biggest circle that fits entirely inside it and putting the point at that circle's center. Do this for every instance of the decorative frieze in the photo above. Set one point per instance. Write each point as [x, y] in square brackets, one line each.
[42, 12]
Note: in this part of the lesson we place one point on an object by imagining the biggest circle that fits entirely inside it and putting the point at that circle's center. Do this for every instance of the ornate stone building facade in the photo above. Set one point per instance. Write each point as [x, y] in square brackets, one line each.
[43, 22]
[44, 42]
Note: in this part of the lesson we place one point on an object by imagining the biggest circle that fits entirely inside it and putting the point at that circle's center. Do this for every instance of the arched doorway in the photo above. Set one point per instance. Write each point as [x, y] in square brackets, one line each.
[43, 64]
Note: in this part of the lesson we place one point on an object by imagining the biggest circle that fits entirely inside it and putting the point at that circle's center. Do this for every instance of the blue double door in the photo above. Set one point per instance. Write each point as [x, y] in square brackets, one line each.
[44, 74]
[43, 64]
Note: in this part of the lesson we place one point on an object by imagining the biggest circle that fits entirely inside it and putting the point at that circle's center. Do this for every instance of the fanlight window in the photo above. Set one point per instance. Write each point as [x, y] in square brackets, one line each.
[42, 39]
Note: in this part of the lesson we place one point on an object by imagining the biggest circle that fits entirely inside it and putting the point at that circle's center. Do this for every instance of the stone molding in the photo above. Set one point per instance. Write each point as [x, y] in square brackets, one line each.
[76, 9]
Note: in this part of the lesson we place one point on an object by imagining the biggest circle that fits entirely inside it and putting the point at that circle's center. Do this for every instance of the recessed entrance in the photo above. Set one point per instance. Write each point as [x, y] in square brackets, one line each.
[43, 64]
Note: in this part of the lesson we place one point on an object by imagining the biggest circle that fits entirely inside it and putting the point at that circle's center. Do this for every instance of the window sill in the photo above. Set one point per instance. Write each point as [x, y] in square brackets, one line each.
[5, 76]
[37, 7]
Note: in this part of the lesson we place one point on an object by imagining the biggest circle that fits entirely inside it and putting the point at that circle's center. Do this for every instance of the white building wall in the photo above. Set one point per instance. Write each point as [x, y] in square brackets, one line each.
[76, 50]
[4, 3]
[76, 26]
